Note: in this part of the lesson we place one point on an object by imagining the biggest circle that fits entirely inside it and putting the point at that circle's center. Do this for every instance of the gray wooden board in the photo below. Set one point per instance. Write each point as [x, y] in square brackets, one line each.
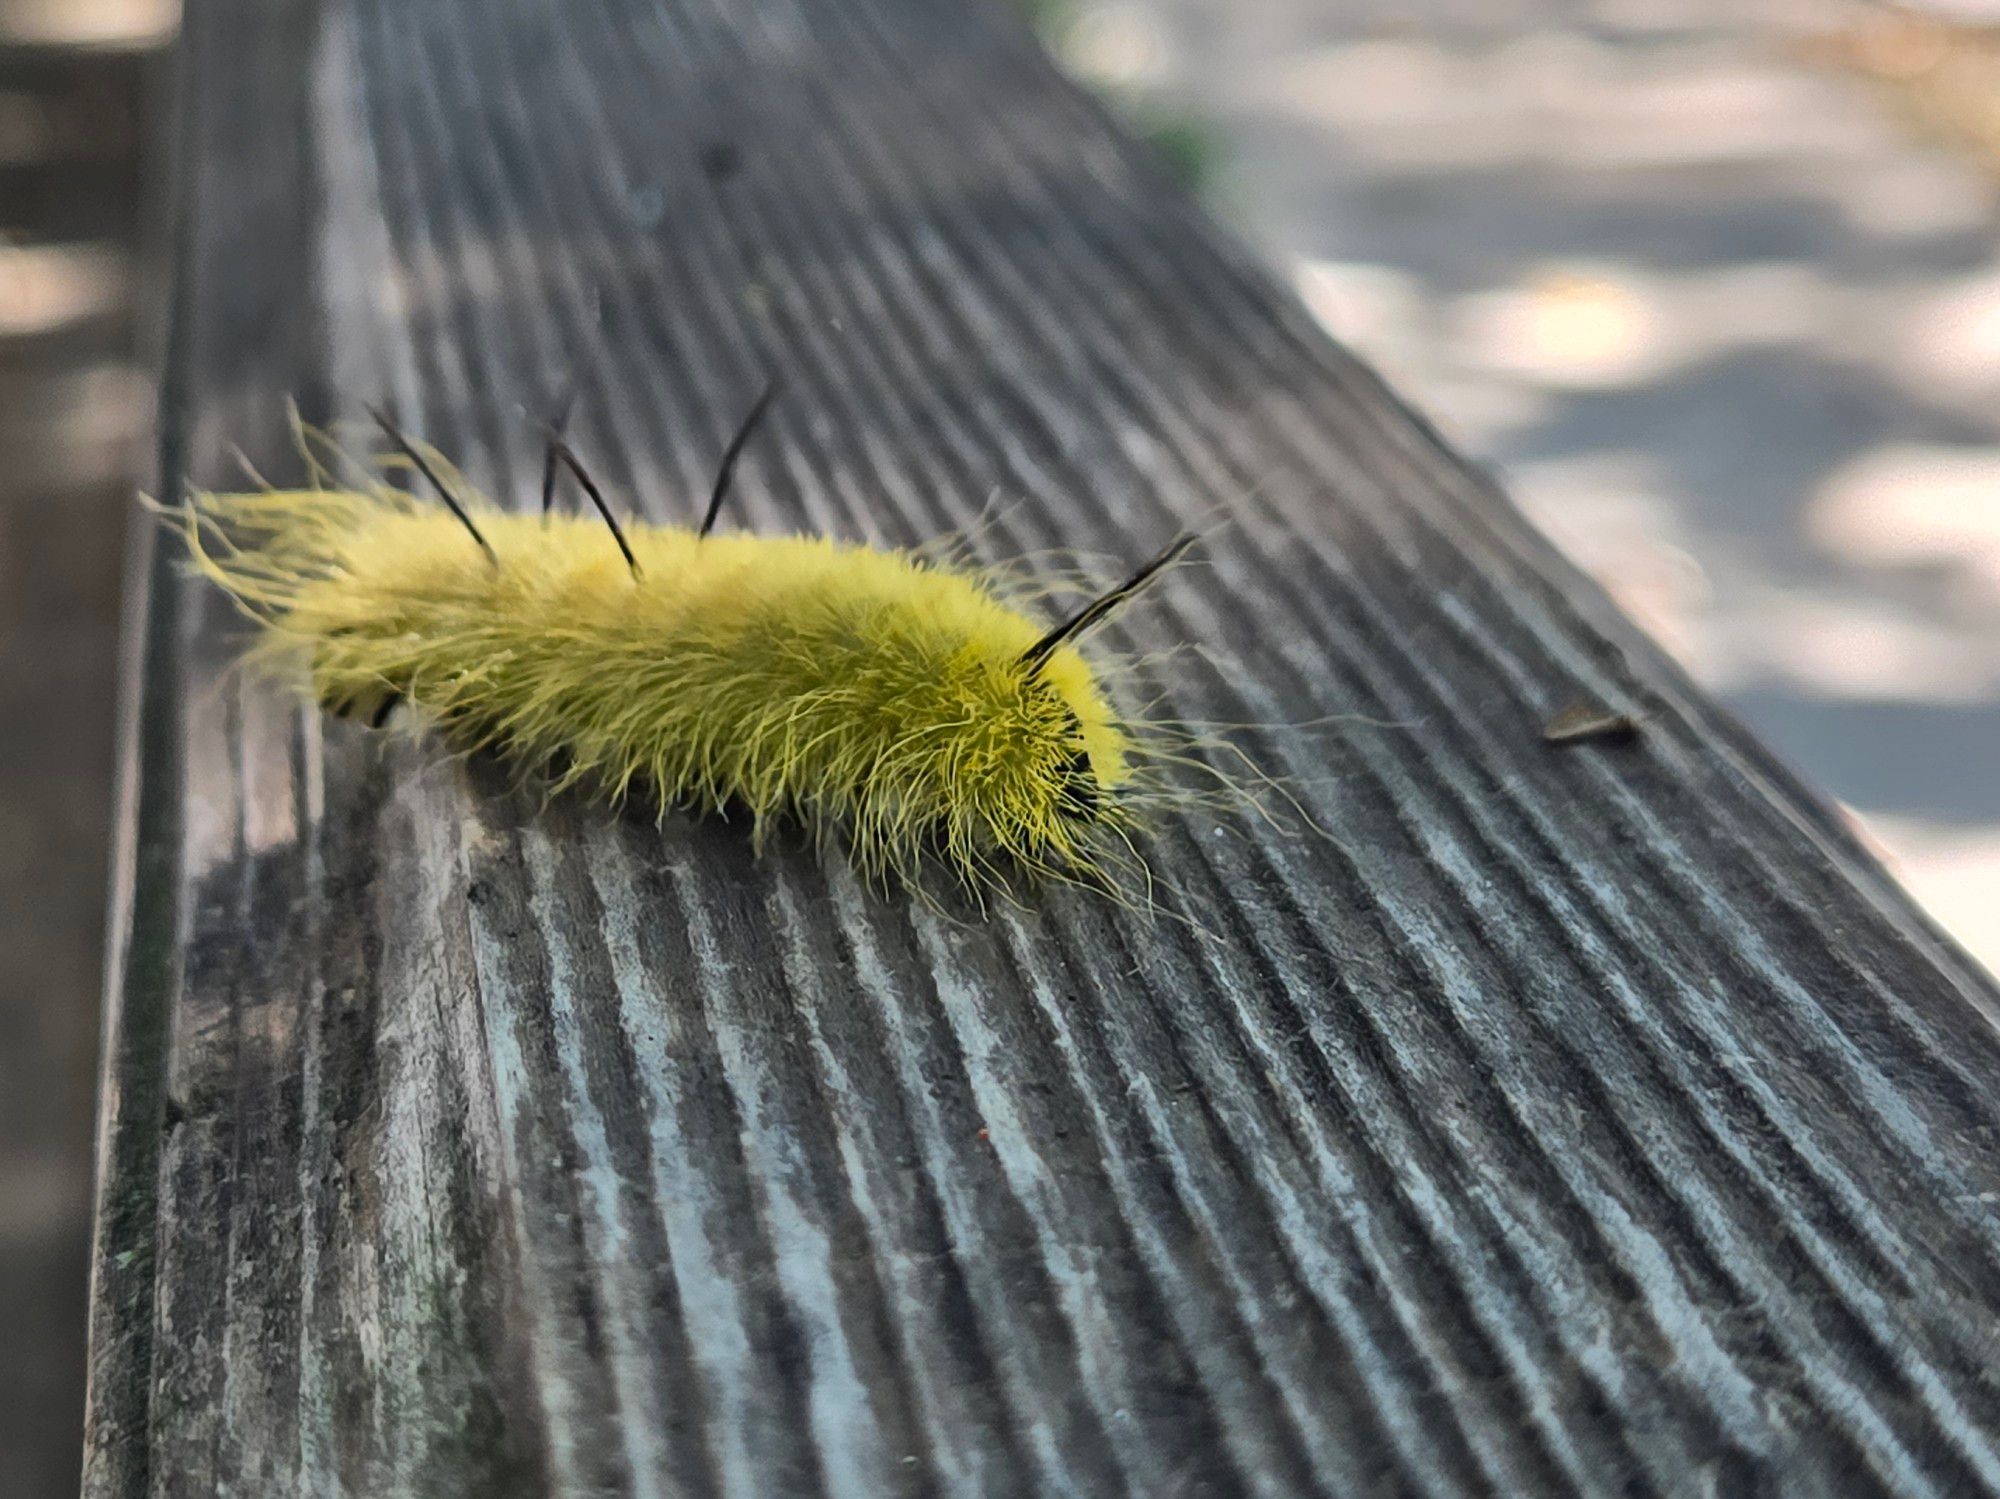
[1594, 1119]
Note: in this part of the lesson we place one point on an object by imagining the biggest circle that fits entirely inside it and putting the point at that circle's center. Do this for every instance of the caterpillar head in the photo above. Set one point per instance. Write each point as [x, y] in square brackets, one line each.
[1054, 774]
[1011, 770]
[1078, 760]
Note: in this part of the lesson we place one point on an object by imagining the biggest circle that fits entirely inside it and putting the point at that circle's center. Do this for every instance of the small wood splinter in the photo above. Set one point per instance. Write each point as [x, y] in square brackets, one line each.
[1585, 723]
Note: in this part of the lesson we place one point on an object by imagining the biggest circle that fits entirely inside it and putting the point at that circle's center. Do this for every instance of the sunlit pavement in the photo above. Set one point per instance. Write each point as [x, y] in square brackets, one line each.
[1728, 326]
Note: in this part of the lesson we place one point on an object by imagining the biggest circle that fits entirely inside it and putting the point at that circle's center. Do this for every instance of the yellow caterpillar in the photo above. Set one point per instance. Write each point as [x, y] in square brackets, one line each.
[874, 693]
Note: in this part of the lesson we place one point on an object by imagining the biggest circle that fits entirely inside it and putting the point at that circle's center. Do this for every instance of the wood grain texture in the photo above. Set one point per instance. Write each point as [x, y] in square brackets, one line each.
[1586, 1120]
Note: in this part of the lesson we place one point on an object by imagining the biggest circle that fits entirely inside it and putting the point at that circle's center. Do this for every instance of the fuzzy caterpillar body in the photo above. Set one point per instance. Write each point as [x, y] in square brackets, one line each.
[873, 693]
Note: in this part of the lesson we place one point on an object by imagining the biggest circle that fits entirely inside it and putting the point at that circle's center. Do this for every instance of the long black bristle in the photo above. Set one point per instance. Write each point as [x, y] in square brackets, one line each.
[570, 461]
[1093, 613]
[558, 425]
[395, 435]
[734, 451]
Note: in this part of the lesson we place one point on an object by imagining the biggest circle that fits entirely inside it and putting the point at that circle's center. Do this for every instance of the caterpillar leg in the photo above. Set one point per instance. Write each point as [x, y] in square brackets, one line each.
[376, 707]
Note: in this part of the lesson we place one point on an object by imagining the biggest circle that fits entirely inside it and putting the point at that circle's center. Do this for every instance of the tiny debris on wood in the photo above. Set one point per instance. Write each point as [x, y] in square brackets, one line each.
[1585, 723]
[719, 160]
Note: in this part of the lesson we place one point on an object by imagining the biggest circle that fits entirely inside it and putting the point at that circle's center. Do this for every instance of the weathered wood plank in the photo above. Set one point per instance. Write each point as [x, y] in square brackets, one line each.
[1582, 1120]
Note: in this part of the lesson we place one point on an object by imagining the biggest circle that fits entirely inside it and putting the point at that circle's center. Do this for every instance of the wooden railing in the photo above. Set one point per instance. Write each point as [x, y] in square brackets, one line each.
[1595, 1118]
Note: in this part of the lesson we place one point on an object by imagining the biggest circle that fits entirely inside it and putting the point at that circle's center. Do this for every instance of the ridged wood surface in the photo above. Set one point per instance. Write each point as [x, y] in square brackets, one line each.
[1594, 1120]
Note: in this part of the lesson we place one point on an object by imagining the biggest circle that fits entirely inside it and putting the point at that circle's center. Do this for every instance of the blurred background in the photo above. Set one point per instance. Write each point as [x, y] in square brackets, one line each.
[75, 408]
[1714, 285]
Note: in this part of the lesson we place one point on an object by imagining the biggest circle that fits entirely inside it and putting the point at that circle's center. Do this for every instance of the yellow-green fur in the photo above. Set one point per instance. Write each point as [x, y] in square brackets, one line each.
[837, 685]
